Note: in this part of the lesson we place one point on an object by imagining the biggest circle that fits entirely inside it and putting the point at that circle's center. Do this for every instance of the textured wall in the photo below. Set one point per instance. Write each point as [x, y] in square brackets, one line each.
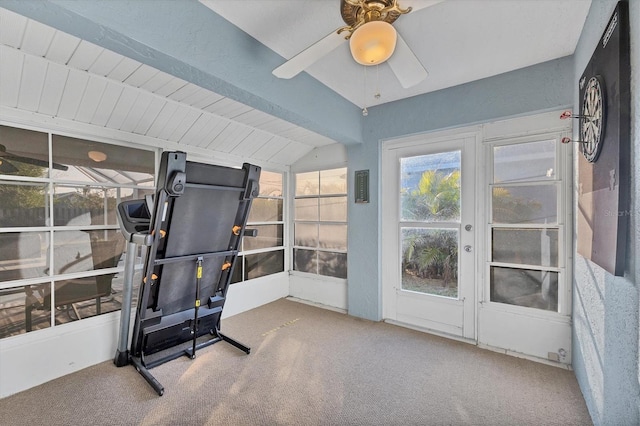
[606, 321]
[533, 89]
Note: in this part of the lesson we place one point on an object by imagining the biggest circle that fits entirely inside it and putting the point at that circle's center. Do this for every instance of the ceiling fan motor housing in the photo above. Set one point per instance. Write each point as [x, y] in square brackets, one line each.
[357, 12]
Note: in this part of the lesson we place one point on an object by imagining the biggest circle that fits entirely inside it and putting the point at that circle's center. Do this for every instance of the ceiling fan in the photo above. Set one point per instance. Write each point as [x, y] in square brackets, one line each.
[361, 16]
[7, 158]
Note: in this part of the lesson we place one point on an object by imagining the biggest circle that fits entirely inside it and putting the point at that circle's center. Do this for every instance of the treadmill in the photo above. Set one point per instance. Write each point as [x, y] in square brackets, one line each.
[192, 230]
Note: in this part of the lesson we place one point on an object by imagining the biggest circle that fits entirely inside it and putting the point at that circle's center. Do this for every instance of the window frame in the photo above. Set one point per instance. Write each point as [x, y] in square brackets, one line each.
[50, 229]
[240, 266]
[318, 222]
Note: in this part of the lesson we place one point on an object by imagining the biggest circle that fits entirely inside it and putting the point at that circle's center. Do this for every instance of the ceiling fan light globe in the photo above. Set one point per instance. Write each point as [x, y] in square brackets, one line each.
[373, 43]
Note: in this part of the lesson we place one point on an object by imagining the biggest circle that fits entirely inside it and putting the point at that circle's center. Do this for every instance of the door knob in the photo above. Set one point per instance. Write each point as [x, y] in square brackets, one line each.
[467, 249]
[468, 227]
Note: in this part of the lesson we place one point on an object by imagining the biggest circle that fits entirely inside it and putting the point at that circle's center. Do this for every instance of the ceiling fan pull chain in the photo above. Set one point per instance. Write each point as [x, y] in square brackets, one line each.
[365, 112]
[377, 94]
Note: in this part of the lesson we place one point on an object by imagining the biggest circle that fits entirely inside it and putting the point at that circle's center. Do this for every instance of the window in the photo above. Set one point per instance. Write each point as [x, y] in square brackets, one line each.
[320, 223]
[61, 250]
[525, 230]
[264, 254]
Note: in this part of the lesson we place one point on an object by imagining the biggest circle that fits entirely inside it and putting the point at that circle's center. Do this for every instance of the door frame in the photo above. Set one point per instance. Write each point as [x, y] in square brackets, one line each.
[391, 249]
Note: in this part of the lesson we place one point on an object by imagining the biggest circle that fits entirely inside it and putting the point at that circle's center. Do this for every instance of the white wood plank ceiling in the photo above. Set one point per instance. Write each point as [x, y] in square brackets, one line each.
[46, 71]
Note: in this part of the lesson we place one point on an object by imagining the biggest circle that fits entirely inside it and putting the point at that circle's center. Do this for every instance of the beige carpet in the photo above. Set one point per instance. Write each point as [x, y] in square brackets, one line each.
[310, 366]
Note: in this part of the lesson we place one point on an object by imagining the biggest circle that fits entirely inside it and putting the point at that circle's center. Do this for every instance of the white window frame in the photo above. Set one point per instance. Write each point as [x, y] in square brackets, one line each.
[293, 221]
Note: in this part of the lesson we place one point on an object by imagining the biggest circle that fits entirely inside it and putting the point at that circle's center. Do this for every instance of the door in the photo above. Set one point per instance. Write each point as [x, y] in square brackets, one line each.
[428, 234]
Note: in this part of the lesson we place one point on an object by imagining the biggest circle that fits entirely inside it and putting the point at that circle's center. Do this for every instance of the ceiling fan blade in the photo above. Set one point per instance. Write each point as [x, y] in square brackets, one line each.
[406, 66]
[307, 57]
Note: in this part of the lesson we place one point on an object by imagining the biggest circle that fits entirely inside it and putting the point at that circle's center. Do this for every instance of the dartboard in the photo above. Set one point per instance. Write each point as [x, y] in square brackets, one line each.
[593, 118]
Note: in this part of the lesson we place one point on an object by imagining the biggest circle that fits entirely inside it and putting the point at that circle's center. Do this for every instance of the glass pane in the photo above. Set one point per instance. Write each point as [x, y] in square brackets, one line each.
[430, 187]
[90, 161]
[306, 209]
[81, 251]
[307, 183]
[23, 255]
[306, 234]
[266, 210]
[525, 204]
[332, 264]
[268, 236]
[21, 310]
[333, 237]
[24, 152]
[82, 297]
[523, 287]
[85, 205]
[333, 209]
[430, 261]
[270, 184]
[333, 181]
[524, 161]
[127, 194]
[23, 204]
[526, 246]
[261, 264]
[305, 260]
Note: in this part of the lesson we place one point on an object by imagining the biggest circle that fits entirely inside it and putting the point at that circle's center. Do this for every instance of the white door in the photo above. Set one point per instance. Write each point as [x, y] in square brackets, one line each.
[511, 286]
[525, 301]
[428, 233]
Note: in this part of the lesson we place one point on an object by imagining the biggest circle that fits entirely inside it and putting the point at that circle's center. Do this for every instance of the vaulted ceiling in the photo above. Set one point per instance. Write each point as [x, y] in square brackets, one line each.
[178, 72]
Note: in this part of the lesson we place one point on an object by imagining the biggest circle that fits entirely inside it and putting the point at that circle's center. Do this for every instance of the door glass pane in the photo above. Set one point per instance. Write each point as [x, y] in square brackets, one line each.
[430, 261]
[525, 161]
[525, 246]
[430, 187]
[24, 152]
[525, 204]
[23, 255]
[23, 204]
[524, 287]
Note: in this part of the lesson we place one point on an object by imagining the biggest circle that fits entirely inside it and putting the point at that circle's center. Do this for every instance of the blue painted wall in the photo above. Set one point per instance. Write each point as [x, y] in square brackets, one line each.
[534, 89]
[605, 312]
[186, 39]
